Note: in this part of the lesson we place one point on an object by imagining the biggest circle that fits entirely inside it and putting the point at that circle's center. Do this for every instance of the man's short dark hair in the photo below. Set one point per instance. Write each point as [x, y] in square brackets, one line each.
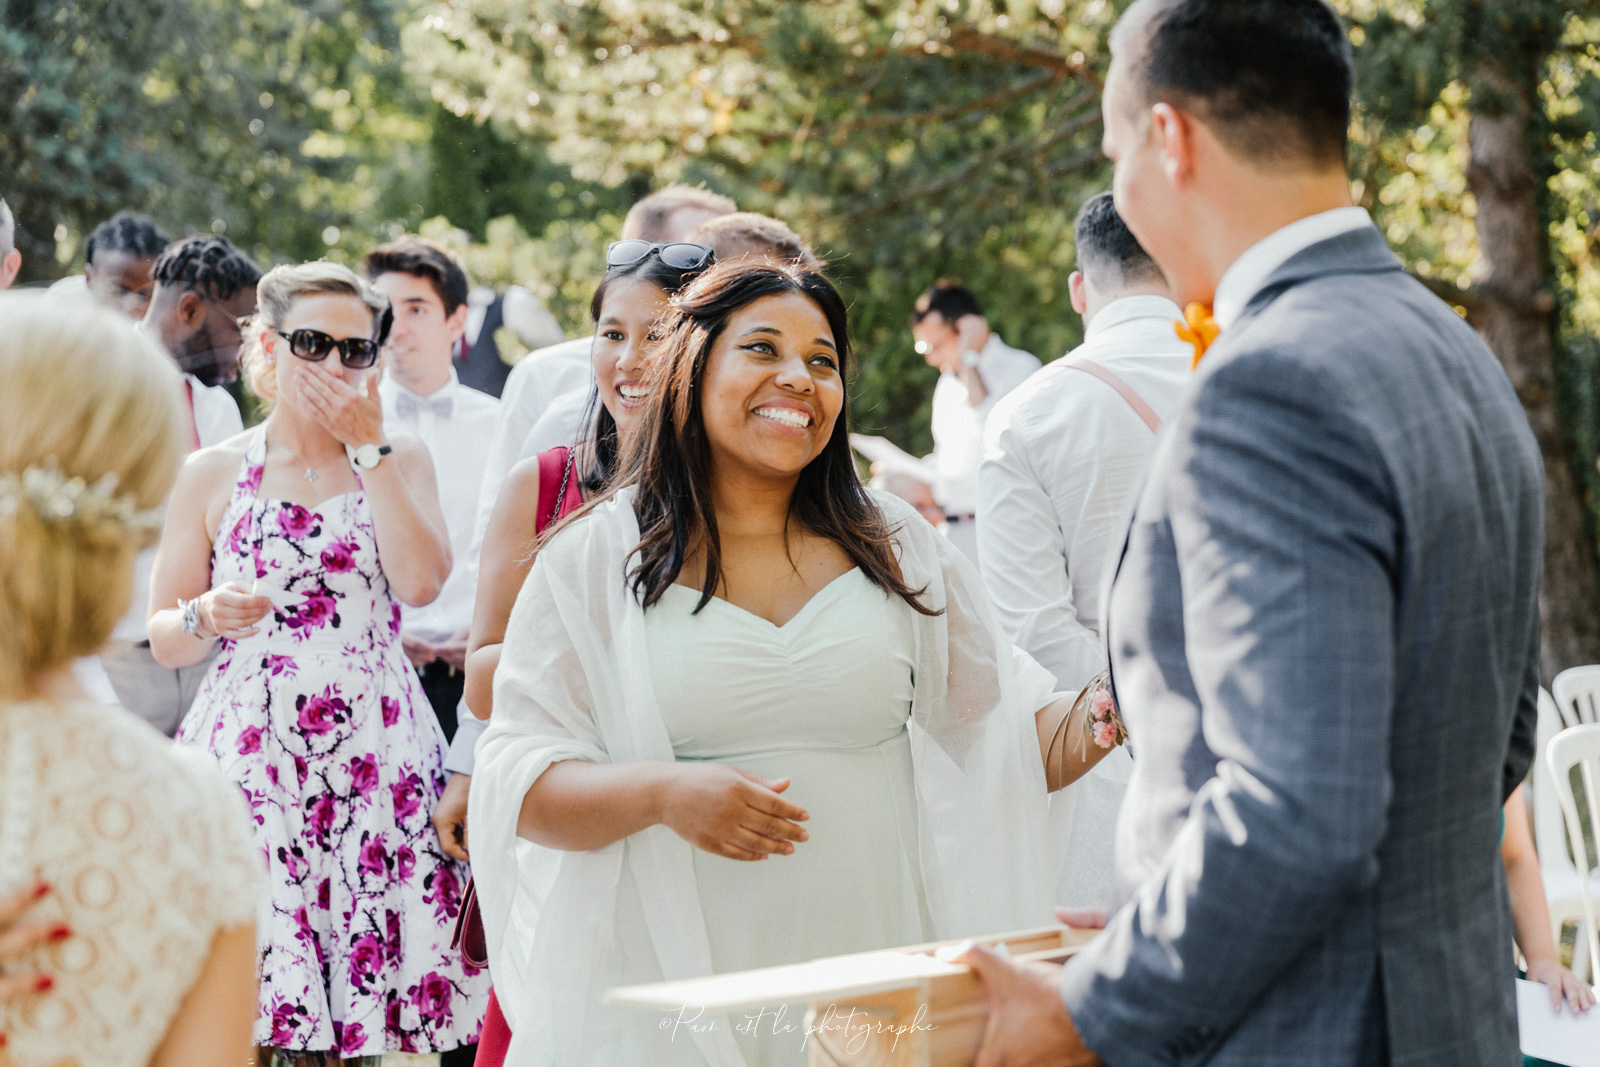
[1272, 78]
[948, 299]
[422, 258]
[1107, 250]
[136, 235]
[211, 266]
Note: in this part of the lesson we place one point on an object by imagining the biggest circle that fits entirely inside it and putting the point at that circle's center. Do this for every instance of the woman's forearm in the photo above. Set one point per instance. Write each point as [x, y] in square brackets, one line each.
[577, 805]
[413, 550]
[1066, 753]
[171, 647]
[481, 665]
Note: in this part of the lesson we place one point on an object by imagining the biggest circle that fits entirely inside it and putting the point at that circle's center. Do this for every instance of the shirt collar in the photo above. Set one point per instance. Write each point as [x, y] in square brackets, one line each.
[394, 388]
[1128, 308]
[1251, 270]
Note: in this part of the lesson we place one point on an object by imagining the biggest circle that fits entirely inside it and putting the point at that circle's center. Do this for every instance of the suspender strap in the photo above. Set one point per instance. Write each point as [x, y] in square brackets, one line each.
[1124, 390]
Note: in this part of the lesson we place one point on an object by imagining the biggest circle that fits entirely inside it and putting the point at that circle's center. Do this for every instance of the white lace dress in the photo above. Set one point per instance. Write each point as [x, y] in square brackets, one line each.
[150, 854]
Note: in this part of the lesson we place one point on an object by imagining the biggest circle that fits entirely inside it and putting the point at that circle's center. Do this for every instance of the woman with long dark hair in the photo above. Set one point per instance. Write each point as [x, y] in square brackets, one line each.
[760, 714]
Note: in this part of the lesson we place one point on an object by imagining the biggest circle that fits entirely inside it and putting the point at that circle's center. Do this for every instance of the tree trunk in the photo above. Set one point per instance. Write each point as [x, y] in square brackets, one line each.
[1516, 318]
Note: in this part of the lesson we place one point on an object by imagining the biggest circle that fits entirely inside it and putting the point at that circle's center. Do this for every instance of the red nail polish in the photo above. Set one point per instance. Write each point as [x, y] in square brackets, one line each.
[41, 889]
[60, 932]
[43, 984]
[4, 1040]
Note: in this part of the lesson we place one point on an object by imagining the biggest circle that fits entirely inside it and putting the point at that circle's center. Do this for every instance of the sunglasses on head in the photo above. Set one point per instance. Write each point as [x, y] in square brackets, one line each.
[679, 255]
[357, 353]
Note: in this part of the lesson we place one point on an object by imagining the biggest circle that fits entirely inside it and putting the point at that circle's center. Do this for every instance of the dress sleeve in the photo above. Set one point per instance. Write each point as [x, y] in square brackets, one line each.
[982, 804]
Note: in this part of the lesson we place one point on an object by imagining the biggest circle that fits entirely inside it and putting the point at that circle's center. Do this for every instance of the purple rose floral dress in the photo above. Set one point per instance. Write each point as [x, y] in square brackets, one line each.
[320, 719]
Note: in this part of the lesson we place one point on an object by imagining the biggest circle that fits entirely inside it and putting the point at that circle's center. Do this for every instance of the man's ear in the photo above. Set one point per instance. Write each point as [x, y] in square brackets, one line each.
[456, 323]
[191, 310]
[1174, 133]
[1076, 289]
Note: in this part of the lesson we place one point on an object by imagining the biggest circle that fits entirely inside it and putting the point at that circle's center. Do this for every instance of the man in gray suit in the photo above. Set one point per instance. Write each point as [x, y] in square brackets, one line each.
[1323, 630]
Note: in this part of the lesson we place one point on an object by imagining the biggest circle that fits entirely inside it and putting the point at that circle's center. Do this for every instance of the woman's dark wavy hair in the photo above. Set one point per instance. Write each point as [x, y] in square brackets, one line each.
[603, 457]
[670, 459]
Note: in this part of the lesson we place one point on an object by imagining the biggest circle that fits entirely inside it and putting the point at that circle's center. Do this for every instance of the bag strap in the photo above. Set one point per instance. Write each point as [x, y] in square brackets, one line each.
[1124, 390]
[555, 468]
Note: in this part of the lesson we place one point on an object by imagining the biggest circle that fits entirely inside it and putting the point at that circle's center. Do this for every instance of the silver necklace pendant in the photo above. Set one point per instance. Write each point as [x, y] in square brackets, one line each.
[311, 474]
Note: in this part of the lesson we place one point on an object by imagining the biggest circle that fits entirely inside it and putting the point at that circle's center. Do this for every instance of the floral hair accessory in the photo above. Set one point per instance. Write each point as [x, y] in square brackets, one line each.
[1198, 328]
[69, 501]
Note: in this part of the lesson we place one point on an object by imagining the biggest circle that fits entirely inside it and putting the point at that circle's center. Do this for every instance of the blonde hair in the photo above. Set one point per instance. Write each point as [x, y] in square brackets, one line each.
[91, 433]
[276, 293]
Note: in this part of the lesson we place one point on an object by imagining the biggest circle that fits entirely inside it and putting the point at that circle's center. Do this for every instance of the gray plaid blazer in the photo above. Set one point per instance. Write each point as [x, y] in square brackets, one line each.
[1324, 638]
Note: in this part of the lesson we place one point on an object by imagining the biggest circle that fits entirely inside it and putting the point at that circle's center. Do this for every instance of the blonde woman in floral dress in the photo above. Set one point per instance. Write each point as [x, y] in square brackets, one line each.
[294, 545]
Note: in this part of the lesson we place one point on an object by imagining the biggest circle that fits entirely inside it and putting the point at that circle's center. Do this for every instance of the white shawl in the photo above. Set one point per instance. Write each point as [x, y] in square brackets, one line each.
[574, 683]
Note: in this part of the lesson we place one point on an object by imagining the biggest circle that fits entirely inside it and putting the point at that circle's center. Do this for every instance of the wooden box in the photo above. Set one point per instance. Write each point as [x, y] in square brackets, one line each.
[901, 1007]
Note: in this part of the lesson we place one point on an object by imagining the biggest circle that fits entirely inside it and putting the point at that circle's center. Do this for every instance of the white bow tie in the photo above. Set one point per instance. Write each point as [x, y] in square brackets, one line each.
[410, 405]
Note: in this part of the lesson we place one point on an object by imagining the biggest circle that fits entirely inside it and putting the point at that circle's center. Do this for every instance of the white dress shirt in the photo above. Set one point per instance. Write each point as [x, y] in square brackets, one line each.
[1065, 455]
[454, 423]
[958, 425]
[1243, 279]
[216, 418]
[958, 436]
[561, 424]
[536, 381]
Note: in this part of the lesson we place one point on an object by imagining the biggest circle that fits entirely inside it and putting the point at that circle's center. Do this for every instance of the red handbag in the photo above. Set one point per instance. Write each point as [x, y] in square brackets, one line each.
[558, 495]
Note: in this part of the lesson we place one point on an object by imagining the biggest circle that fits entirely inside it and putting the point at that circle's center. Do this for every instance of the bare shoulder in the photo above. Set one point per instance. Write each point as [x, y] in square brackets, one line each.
[522, 480]
[207, 468]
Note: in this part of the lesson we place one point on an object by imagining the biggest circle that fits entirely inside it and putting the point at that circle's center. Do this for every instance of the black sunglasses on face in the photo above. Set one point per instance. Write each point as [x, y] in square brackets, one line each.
[357, 353]
[679, 255]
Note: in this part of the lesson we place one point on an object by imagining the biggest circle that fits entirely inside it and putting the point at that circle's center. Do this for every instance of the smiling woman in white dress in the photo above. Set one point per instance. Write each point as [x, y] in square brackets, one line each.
[130, 862]
[760, 714]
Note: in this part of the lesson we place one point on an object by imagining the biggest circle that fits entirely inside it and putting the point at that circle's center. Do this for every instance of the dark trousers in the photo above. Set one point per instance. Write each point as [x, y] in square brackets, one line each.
[444, 686]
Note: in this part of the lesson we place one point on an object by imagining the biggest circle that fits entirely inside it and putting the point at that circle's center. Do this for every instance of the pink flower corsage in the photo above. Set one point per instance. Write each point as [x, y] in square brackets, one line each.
[1102, 723]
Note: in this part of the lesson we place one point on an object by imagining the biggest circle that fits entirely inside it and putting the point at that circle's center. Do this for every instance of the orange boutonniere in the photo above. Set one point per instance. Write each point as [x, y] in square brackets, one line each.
[1198, 328]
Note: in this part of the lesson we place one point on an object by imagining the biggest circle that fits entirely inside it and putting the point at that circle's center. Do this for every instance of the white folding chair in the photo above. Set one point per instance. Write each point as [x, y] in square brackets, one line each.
[1563, 887]
[1577, 693]
[1579, 747]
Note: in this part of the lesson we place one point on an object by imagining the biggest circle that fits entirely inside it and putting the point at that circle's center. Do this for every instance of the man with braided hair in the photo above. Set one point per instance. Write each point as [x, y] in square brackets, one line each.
[203, 286]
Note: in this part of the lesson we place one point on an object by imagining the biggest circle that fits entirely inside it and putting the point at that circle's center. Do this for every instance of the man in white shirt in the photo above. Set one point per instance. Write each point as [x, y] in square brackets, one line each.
[421, 394]
[202, 287]
[1064, 456]
[976, 369]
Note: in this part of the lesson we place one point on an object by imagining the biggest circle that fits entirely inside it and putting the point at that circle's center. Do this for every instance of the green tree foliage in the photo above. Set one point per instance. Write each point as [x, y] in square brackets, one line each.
[280, 124]
[905, 141]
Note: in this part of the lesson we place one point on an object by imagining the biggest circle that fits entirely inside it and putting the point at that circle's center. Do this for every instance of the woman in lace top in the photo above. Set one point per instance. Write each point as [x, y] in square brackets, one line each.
[137, 858]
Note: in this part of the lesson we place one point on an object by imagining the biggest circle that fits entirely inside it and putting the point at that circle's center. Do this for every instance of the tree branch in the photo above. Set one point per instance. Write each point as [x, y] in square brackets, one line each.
[964, 175]
[966, 39]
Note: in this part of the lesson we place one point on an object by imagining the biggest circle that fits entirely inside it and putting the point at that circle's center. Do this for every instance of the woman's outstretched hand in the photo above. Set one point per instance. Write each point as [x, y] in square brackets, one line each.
[732, 813]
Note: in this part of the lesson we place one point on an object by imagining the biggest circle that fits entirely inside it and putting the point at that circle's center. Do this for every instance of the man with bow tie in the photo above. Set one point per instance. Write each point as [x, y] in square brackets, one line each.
[1324, 624]
[427, 291]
